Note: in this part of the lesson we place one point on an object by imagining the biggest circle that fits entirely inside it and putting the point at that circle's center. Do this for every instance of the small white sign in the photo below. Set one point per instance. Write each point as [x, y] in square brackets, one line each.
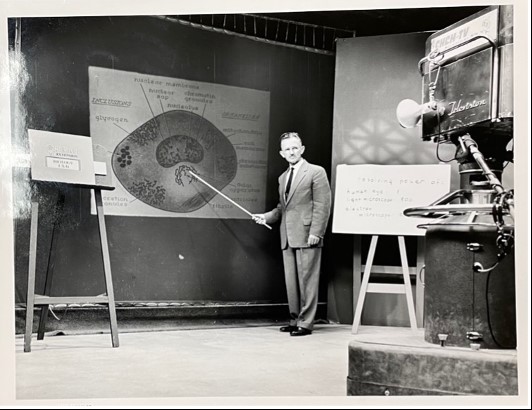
[100, 168]
[62, 163]
[61, 157]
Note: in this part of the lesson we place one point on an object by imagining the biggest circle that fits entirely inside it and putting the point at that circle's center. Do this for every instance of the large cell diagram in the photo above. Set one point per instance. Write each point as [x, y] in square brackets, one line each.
[153, 162]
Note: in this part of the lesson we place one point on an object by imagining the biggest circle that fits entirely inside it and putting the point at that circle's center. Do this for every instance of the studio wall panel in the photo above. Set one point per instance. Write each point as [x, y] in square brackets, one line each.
[373, 74]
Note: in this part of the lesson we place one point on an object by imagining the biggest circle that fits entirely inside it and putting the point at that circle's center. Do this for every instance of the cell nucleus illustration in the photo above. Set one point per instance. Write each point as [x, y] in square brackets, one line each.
[153, 162]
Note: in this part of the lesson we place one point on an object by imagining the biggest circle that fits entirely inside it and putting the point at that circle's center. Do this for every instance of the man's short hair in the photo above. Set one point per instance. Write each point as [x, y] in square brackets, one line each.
[290, 134]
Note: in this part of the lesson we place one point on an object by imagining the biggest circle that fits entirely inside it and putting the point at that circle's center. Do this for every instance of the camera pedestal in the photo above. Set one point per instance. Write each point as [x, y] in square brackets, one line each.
[397, 361]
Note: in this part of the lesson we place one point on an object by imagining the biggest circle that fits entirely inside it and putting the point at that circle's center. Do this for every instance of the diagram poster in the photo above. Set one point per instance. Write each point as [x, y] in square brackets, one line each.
[157, 133]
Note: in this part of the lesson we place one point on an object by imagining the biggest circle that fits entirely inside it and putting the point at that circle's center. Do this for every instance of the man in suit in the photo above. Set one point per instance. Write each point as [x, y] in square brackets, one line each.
[304, 208]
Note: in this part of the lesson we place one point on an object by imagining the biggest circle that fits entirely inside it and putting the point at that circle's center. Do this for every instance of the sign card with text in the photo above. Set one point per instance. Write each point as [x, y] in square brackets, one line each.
[370, 199]
[61, 157]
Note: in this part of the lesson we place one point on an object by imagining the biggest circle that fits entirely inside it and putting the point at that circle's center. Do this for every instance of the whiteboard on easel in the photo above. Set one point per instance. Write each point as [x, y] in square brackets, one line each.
[370, 199]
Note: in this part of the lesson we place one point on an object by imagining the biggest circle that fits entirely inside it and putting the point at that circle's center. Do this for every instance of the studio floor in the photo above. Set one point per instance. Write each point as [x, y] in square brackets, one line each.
[215, 362]
[249, 364]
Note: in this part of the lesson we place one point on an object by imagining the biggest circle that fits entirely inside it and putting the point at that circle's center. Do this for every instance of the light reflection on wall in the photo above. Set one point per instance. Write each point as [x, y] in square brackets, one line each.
[18, 156]
[373, 74]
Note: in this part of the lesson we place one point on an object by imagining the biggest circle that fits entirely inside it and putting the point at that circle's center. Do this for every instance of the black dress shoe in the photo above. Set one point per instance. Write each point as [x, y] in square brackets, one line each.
[300, 331]
[288, 328]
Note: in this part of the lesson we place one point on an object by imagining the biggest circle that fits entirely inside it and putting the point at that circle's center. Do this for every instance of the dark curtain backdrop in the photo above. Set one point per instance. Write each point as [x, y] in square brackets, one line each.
[224, 260]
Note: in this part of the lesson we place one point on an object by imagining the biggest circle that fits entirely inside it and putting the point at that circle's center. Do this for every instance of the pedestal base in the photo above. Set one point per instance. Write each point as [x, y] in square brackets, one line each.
[397, 361]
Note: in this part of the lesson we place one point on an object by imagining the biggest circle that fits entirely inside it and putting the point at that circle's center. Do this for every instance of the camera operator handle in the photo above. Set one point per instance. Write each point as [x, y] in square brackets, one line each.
[470, 146]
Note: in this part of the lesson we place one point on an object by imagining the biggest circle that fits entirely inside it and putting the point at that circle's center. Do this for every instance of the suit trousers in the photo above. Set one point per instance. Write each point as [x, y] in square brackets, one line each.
[302, 275]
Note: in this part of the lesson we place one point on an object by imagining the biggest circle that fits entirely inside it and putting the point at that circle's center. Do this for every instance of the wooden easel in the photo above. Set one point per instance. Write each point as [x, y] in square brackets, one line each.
[46, 300]
[366, 287]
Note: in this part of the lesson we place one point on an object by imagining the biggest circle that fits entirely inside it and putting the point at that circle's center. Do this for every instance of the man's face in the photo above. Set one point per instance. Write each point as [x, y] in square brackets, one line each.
[291, 149]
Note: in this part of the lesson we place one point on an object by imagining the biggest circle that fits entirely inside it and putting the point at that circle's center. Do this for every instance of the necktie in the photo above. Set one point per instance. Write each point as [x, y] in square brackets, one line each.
[287, 191]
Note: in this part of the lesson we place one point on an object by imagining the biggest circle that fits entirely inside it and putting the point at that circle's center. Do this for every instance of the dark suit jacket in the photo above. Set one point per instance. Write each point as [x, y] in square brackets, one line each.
[306, 210]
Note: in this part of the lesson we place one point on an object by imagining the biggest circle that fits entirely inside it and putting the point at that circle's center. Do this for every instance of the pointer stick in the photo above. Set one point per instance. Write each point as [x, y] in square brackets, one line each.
[226, 197]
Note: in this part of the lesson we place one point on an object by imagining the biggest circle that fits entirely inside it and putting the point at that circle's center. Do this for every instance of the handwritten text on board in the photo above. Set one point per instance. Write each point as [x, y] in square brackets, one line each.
[370, 199]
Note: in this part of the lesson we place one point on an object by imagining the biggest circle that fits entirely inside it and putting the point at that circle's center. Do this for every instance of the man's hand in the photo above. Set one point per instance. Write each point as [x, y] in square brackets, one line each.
[313, 240]
[259, 218]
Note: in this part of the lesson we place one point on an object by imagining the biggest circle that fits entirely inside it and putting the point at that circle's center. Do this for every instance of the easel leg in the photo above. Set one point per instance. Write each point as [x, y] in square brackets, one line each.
[357, 267]
[408, 286]
[106, 266]
[420, 286]
[365, 281]
[30, 298]
[50, 269]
